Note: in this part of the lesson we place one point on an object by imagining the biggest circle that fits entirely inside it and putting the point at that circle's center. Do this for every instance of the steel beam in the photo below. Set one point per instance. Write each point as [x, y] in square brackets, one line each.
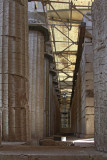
[79, 55]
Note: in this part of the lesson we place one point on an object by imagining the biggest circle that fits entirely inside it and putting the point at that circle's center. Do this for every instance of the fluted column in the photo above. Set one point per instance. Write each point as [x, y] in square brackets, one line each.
[14, 67]
[53, 109]
[46, 96]
[40, 87]
[51, 100]
[47, 60]
[57, 115]
[36, 74]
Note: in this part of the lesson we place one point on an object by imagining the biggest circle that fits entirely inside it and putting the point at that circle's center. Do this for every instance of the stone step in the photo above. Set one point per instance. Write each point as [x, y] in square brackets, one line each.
[34, 157]
[21, 151]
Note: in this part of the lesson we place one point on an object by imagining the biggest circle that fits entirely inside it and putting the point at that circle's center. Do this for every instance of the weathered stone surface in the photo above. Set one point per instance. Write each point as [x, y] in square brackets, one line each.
[99, 17]
[89, 101]
[82, 112]
[26, 152]
[46, 97]
[43, 100]
[36, 74]
[51, 104]
[14, 69]
[51, 107]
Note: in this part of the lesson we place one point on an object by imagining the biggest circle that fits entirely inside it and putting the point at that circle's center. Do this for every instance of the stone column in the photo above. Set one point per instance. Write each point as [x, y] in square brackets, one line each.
[14, 67]
[46, 97]
[51, 99]
[53, 110]
[48, 59]
[76, 107]
[38, 35]
[36, 74]
[57, 116]
[99, 17]
[56, 108]
[40, 87]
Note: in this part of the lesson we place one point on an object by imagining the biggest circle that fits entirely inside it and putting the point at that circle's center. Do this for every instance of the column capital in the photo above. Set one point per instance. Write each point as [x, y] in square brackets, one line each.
[41, 28]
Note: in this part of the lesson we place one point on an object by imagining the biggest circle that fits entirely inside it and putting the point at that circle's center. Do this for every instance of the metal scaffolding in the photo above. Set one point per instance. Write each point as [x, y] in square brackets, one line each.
[64, 22]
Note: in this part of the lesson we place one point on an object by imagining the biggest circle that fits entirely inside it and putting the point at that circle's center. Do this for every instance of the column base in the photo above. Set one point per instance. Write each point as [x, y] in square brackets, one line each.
[86, 136]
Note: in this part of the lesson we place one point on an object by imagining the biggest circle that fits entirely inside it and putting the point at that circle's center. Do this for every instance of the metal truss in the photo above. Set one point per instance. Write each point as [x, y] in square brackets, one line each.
[66, 53]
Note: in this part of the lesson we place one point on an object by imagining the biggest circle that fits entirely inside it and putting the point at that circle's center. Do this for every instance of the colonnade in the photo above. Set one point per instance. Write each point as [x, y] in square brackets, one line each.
[26, 89]
[29, 106]
[42, 99]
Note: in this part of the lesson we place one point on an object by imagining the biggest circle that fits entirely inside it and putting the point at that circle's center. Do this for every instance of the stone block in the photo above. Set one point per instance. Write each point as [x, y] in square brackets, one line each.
[89, 110]
[89, 58]
[89, 101]
[89, 76]
[89, 84]
[89, 120]
[90, 93]
[89, 67]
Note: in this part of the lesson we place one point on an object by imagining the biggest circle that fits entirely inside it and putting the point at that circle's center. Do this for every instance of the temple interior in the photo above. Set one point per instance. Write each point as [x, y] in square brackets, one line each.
[53, 80]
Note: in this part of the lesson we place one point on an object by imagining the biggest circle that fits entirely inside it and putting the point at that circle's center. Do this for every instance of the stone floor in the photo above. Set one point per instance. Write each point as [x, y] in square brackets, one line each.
[70, 141]
[23, 151]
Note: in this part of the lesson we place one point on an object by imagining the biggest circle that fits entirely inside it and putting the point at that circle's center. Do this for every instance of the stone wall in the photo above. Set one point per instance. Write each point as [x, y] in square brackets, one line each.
[82, 109]
[87, 95]
[99, 14]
